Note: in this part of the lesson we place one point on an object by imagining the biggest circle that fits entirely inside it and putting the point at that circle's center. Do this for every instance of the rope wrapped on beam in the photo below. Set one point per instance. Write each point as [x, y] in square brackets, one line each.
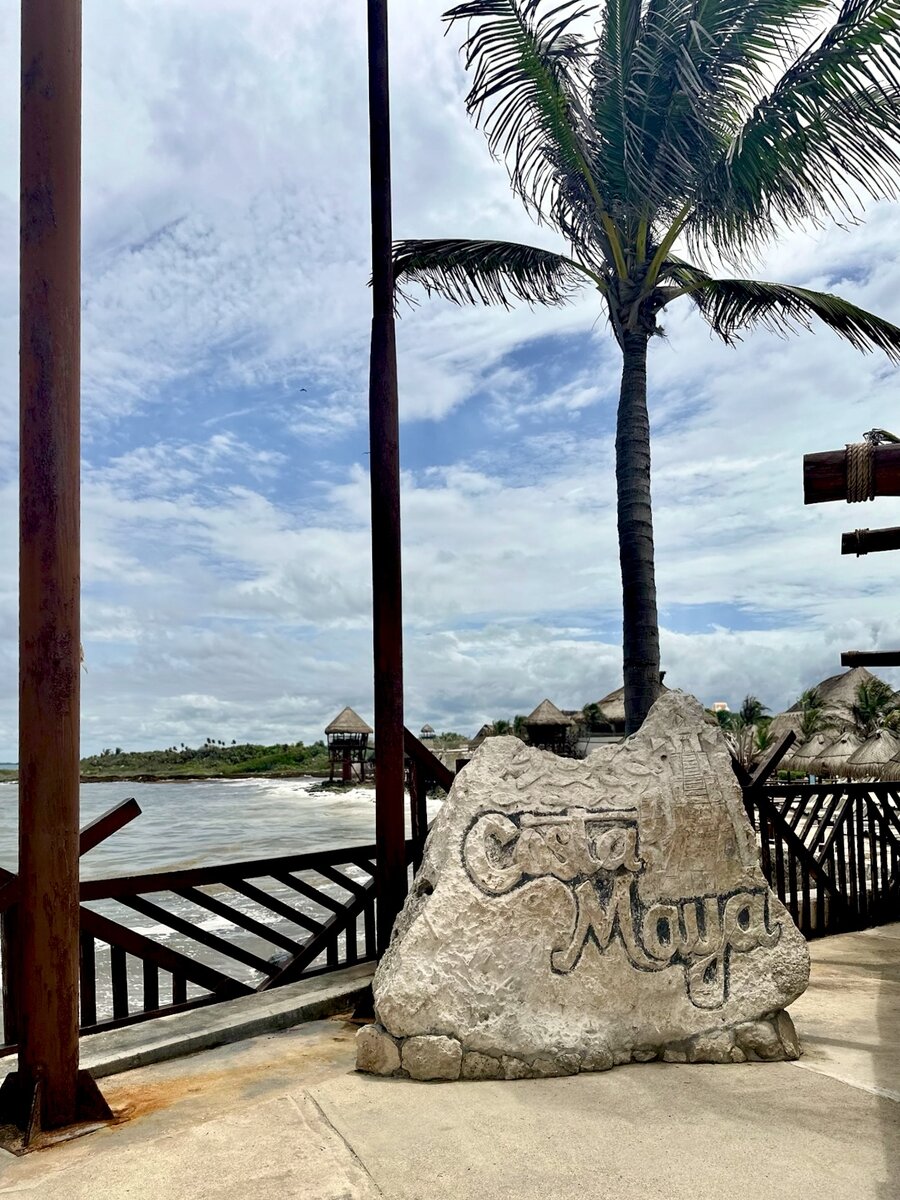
[860, 472]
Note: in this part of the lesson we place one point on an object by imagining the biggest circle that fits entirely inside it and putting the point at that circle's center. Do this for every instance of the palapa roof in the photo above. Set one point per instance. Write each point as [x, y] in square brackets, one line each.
[835, 757]
[839, 691]
[877, 758]
[427, 729]
[547, 713]
[348, 721]
[613, 706]
[787, 722]
[485, 731]
[813, 750]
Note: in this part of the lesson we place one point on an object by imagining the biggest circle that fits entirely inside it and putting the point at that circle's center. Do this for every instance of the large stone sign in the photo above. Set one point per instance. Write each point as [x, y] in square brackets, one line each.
[574, 915]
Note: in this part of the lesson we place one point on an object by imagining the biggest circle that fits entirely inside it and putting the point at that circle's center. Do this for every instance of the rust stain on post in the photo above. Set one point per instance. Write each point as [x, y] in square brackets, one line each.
[49, 580]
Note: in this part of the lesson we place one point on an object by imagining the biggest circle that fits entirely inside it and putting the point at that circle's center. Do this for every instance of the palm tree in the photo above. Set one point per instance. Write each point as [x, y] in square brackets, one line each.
[502, 727]
[752, 710]
[876, 707]
[812, 716]
[678, 128]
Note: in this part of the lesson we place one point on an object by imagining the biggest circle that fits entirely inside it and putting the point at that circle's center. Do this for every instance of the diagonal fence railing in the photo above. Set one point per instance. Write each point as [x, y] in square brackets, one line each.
[167, 941]
[831, 851]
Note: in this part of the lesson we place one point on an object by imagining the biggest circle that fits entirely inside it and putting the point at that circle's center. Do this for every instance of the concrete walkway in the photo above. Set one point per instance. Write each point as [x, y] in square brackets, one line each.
[285, 1116]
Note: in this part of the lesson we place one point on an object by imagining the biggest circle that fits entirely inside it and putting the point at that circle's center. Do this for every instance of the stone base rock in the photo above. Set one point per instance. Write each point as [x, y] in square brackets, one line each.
[572, 916]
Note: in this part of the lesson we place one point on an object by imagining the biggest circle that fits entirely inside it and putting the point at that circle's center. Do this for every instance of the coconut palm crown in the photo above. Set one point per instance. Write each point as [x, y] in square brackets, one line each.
[656, 138]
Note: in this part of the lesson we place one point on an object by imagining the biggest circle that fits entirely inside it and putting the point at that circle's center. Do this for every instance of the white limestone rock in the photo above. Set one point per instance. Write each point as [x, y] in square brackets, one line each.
[376, 1051]
[604, 909]
[431, 1057]
[480, 1066]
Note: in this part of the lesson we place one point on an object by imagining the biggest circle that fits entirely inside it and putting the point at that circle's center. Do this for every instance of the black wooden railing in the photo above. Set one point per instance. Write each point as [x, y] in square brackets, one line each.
[242, 928]
[168, 941]
[830, 851]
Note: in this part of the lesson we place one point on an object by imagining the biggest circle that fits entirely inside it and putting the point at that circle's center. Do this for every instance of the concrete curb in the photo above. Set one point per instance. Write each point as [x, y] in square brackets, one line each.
[175, 1036]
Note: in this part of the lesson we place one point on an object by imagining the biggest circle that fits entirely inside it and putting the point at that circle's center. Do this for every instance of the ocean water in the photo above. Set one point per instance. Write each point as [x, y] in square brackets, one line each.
[204, 823]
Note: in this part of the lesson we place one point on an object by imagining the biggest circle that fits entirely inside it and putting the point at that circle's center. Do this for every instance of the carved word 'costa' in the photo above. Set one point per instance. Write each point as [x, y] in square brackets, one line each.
[699, 933]
[501, 853]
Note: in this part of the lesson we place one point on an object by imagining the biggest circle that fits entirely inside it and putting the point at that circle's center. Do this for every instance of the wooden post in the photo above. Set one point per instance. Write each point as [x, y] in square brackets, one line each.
[384, 465]
[48, 1091]
[825, 475]
[49, 562]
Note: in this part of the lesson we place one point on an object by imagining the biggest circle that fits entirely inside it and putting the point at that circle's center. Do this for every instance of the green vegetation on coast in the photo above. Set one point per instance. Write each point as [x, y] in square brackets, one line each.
[212, 759]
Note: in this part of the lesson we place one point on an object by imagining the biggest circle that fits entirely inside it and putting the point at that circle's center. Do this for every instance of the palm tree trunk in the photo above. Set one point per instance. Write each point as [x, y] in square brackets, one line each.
[640, 627]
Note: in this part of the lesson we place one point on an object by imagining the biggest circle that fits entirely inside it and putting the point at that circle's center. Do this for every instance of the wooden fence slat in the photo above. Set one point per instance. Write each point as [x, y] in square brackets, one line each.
[342, 880]
[276, 906]
[791, 840]
[118, 973]
[242, 920]
[228, 949]
[319, 942]
[305, 889]
[151, 985]
[164, 956]
[87, 980]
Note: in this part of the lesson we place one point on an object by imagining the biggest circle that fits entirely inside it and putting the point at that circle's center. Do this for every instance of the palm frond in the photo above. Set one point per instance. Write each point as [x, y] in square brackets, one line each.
[731, 305]
[699, 67]
[822, 140]
[469, 272]
[527, 94]
[611, 111]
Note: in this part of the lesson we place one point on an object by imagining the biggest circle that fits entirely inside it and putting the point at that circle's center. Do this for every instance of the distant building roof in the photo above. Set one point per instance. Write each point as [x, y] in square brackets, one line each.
[547, 713]
[427, 729]
[347, 721]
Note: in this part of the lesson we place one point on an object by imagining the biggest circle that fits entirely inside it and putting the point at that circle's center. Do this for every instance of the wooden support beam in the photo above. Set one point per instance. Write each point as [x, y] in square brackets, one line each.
[770, 764]
[870, 658]
[825, 475]
[870, 541]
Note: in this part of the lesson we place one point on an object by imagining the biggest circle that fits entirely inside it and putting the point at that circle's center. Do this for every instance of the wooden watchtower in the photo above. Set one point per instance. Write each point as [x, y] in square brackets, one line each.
[348, 743]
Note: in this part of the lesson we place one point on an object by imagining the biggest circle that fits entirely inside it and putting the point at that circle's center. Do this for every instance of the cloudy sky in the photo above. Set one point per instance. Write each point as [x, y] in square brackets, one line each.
[225, 546]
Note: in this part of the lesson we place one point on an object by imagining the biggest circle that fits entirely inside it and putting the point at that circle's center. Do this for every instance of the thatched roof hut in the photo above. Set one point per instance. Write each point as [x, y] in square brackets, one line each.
[484, 732]
[835, 758]
[427, 731]
[612, 707]
[810, 752]
[549, 728]
[348, 721]
[877, 758]
[837, 693]
[786, 722]
[547, 713]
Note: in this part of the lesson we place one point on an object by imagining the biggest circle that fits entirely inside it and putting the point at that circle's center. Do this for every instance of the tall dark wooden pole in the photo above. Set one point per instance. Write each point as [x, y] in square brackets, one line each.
[384, 446]
[49, 560]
